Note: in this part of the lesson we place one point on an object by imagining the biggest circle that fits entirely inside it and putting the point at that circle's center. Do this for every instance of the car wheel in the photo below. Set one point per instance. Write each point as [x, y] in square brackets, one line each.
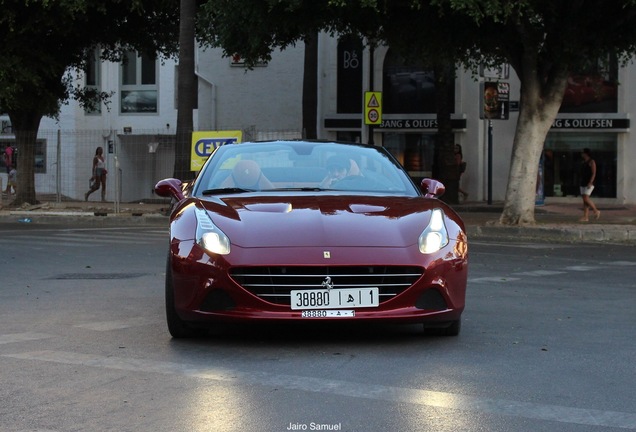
[178, 328]
[452, 329]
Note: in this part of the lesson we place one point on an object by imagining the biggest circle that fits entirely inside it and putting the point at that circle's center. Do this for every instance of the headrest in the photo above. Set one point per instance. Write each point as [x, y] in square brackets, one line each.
[246, 173]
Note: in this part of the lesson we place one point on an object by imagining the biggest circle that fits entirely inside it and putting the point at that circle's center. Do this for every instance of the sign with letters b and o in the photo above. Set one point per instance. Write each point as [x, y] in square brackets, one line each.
[372, 108]
[205, 142]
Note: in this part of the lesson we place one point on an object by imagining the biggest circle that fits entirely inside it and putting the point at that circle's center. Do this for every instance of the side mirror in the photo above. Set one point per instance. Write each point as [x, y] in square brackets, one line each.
[170, 187]
[432, 188]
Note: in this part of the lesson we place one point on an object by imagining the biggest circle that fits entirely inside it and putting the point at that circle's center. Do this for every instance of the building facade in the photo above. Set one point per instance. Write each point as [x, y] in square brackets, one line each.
[137, 127]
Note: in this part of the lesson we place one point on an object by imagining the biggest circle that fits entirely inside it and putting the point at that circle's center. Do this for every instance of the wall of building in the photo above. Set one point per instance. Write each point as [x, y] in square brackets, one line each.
[264, 98]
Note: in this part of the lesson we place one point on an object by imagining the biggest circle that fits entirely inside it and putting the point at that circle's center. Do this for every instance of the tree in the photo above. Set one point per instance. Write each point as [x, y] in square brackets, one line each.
[310, 88]
[544, 42]
[44, 42]
[186, 91]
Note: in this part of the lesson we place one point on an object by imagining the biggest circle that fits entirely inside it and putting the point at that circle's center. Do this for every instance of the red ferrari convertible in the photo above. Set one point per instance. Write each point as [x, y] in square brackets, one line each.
[311, 231]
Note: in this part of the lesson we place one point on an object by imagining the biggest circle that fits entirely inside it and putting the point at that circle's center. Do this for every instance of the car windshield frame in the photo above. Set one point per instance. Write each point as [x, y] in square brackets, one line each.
[304, 166]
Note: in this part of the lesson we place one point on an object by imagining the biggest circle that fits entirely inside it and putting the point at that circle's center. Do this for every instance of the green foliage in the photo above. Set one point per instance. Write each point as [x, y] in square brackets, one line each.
[254, 28]
[44, 39]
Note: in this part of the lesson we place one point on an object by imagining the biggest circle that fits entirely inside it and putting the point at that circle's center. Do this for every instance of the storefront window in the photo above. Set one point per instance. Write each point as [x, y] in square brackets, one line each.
[409, 88]
[562, 163]
[414, 151]
[593, 89]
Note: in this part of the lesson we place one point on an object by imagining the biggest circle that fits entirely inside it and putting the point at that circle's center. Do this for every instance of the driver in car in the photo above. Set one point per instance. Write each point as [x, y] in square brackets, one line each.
[339, 167]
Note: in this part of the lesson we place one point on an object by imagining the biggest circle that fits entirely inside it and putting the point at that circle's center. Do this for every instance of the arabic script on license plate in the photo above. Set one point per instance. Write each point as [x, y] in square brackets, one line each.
[334, 298]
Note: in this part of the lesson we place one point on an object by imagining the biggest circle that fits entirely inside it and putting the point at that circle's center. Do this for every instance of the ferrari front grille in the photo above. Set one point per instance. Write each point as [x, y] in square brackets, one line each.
[274, 284]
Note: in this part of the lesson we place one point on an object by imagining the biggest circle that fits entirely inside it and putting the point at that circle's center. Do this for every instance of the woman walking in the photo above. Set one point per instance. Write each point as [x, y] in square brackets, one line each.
[461, 166]
[588, 175]
[99, 174]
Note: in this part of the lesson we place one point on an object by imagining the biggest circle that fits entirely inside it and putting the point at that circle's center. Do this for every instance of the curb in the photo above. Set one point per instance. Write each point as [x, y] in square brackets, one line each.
[557, 233]
[97, 218]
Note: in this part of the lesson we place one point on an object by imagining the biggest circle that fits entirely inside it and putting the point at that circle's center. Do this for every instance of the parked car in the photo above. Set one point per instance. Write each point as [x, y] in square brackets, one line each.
[311, 231]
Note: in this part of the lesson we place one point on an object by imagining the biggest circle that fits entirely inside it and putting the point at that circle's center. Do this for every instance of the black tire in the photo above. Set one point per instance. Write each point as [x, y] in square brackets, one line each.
[452, 329]
[178, 328]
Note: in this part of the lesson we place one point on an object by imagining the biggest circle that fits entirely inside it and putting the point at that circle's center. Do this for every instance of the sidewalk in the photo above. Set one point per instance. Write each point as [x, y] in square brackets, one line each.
[93, 212]
[554, 222]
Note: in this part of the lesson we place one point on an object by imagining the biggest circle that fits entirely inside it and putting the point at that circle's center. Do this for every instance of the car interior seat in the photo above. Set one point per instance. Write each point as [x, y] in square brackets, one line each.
[246, 174]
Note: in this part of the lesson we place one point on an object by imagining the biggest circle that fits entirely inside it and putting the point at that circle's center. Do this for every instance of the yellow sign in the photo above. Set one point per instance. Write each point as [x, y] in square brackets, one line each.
[205, 142]
[372, 108]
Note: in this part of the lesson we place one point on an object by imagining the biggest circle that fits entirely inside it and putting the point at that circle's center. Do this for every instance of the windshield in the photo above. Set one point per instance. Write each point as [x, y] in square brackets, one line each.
[299, 165]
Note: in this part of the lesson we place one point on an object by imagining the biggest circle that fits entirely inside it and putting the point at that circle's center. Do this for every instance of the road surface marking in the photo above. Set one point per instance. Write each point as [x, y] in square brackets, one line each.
[455, 401]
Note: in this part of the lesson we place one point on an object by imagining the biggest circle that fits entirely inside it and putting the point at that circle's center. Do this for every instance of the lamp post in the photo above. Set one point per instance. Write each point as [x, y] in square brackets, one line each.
[371, 43]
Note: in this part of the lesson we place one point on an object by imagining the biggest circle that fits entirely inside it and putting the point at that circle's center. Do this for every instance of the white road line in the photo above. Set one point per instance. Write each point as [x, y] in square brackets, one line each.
[23, 337]
[455, 401]
[582, 268]
[116, 325]
[80, 240]
[522, 245]
[539, 273]
[493, 279]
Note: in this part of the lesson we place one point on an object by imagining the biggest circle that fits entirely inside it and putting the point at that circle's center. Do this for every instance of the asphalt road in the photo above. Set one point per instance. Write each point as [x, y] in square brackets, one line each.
[547, 344]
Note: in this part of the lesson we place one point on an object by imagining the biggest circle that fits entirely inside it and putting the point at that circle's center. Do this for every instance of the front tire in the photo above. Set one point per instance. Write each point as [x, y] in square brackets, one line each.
[178, 328]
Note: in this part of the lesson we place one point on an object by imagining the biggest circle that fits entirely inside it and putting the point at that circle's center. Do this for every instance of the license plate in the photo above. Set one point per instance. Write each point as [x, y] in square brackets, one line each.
[330, 313]
[334, 299]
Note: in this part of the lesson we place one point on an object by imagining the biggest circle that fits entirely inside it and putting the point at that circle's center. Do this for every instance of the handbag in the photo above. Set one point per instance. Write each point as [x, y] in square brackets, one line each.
[92, 182]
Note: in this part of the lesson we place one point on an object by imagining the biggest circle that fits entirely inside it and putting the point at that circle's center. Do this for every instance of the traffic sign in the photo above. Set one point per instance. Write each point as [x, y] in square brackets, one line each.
[372, 108]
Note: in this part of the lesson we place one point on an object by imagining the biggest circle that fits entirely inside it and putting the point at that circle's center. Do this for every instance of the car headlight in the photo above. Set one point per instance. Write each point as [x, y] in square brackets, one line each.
[435, 236]
[209, 236]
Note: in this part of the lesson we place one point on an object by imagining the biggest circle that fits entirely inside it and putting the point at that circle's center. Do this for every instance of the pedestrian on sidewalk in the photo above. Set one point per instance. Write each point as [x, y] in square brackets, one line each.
[12, 182]
[9, 163]
[99, 174]
[588, 175]
[461, 167]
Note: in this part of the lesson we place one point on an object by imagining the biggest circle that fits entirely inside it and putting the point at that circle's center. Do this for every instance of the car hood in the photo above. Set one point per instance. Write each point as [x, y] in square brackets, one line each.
[323, 220]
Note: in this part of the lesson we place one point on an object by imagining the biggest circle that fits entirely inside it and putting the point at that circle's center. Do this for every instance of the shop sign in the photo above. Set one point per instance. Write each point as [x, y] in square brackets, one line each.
[418, 124]
[496, 101]
[205, 142]
[590, 123]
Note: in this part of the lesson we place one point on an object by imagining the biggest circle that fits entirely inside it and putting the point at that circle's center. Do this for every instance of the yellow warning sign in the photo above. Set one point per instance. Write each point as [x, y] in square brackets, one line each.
[372, 108]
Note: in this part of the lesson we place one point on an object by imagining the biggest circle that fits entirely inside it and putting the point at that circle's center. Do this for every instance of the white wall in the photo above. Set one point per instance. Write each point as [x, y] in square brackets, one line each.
[266, 98]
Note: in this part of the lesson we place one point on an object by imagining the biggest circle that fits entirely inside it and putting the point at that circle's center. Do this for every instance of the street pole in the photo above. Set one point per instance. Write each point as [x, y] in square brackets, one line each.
[489, 162]
[371, 50]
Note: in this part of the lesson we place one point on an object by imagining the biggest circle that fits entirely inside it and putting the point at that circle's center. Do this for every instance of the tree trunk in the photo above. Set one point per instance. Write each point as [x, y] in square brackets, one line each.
[446, 169]
[25, 126]
[310, 88]
[186, 90]
[540, 103]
